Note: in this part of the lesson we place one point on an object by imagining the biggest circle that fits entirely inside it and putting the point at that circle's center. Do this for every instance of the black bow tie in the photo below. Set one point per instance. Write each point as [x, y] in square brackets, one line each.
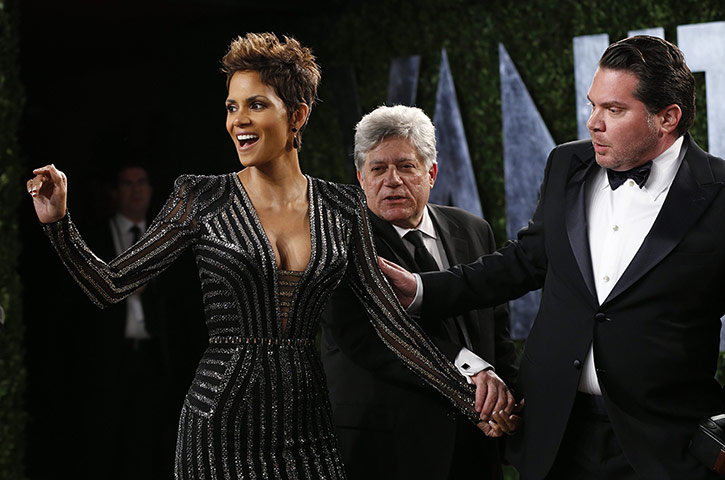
[638, 174]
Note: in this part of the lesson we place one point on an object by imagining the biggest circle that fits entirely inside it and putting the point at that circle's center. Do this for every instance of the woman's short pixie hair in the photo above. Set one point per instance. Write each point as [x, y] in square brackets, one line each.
[286, 66]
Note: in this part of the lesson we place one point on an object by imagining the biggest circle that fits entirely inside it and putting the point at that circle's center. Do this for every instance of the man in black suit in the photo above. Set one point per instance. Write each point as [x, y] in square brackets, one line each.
[619, 366]
[130, 434]
[389, 424]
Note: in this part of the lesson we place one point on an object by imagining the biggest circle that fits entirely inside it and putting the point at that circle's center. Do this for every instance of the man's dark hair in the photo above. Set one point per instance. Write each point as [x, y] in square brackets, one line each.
[664, 77]
[115, 172]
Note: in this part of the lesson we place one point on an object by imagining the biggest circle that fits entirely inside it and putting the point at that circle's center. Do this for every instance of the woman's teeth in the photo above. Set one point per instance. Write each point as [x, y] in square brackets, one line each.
[247, 138]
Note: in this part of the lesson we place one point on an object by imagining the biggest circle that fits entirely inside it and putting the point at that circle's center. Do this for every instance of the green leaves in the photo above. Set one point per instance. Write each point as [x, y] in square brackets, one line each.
[12, 369]
[538, 35]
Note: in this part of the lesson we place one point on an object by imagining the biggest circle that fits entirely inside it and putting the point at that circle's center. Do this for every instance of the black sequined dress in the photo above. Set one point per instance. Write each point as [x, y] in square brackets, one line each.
[258, 406]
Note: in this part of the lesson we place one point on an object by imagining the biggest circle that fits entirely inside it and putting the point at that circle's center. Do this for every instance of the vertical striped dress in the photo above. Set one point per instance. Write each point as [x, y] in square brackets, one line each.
[258, 406]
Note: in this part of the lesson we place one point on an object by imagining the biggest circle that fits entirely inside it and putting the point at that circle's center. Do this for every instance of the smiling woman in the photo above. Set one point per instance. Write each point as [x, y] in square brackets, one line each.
[254, 113]
[271, 244]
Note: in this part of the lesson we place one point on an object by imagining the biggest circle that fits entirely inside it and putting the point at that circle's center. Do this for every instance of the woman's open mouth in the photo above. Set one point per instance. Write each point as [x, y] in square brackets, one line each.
[246, 141]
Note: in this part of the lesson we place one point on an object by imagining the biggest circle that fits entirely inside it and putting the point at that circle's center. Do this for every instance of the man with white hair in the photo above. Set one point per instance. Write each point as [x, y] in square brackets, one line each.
[626, 240]
[389, 424]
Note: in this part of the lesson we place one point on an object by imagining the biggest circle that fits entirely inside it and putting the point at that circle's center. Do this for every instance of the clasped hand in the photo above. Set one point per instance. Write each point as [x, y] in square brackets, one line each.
[494, 401]
[495, 404]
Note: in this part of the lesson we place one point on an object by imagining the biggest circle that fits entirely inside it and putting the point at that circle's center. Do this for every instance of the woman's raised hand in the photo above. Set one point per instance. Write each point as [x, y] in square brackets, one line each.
[49, 189]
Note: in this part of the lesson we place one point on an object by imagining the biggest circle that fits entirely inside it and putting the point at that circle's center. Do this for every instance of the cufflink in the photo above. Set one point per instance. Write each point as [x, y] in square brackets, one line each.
[465, 366]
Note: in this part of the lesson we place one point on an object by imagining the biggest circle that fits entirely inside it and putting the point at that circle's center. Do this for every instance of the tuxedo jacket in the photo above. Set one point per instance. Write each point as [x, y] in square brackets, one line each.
[389, 423]
[655, 337]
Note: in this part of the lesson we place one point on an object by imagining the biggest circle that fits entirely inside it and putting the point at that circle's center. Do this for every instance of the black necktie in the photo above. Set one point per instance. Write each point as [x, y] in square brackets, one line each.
[638, 174]
[135, 234]
[425, 261]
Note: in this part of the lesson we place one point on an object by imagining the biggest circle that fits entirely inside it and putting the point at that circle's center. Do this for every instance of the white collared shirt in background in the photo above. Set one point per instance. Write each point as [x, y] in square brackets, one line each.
[122, 240]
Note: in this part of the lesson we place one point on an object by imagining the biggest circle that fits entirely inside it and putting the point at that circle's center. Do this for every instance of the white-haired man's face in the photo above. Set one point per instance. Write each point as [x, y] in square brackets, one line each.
[396, 182]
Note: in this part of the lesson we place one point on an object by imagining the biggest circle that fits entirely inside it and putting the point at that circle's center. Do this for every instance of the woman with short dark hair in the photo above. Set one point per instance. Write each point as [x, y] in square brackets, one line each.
[271, 244]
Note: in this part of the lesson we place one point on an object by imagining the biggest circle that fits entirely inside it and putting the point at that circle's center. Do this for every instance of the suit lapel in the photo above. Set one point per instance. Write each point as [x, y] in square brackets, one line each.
[456, 248]
[576, 219]
[389, 243]
[692, 190]
[454, 243]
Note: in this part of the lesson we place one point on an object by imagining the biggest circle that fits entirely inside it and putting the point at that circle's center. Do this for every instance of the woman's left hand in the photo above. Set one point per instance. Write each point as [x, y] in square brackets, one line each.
[501, 422]
[490, 429]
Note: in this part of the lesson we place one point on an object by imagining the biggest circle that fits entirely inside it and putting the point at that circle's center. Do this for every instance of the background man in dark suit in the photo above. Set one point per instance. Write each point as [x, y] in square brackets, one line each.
[127, 429]
[389, 424]
[620, 364]
[135, 359]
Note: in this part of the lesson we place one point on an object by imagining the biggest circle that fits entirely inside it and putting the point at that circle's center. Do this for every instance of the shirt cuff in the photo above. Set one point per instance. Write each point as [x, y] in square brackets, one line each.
[469, 364]
[416, 305]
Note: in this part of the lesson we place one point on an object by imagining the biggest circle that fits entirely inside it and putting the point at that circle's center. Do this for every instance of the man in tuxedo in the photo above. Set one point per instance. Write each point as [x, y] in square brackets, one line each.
[620, 364]
[389, 424]
[129, 432]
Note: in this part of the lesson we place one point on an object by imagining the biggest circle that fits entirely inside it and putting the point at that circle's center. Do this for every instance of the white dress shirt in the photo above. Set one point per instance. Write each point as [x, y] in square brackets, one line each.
[467, 362]
[618, 222]
[122, 240]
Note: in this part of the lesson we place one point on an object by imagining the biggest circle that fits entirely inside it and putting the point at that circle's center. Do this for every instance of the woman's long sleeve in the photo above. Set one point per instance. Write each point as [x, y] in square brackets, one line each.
[168, 235]
[396, 329]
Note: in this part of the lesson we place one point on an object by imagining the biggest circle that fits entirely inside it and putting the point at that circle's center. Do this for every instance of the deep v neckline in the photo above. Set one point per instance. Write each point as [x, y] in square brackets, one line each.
[263, 232]
[284, 329]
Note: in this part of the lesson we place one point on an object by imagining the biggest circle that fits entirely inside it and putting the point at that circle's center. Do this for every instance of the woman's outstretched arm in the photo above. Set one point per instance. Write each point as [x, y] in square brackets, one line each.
[109, 282]
[400, 333]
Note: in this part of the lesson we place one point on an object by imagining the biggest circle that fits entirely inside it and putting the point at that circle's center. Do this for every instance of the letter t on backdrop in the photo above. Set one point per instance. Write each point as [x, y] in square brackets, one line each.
[456, 182]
